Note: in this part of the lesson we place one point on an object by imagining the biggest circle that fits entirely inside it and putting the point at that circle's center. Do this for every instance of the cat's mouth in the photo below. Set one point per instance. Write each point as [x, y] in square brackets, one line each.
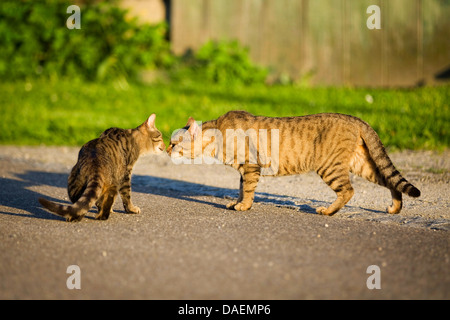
[160, 149]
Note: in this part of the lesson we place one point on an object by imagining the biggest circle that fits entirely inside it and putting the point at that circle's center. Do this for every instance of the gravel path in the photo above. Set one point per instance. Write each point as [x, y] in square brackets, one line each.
[427, 170]
[186, 245]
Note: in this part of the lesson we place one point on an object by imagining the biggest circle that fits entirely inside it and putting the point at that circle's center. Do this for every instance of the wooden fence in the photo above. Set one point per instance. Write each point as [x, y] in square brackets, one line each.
[325, 42]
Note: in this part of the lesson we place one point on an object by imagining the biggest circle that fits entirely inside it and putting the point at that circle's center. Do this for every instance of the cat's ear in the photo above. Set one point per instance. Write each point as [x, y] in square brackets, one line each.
[194, 129]
[190, 122]
[151, 121]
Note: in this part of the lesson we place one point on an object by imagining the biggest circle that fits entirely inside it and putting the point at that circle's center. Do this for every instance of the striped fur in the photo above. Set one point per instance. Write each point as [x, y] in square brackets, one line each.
[330, 144]
[104, 169]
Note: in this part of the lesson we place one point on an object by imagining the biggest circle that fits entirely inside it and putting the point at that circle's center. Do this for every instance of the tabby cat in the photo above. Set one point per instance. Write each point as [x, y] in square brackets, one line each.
[104, 169]
[330, 144]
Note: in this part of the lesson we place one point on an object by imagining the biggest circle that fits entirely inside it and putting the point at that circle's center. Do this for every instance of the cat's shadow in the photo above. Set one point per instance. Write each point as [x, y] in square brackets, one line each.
[188, 191]
[19, 193]
[23, 190]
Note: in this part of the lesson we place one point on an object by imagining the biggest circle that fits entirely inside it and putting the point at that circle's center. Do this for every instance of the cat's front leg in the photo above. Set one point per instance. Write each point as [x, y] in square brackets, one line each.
[125, 194]
[249, 180]
[128, 205]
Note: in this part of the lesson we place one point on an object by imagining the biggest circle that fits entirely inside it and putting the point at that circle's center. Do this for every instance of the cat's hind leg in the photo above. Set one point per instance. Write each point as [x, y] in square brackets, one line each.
[397, 203]
[337, 179]
[241, 194]
[108, 199]
[362, 164]
[99, 203]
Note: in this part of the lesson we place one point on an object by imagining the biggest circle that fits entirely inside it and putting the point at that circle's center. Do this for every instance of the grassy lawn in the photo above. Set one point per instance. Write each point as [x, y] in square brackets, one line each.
[71, 113]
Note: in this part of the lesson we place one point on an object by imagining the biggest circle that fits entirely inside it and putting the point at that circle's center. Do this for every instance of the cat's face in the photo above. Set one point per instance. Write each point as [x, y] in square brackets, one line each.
[151, 138]
[186, 142]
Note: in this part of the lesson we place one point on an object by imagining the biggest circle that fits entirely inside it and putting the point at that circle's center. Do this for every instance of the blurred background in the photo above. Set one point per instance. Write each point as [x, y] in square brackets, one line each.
[202, 58]
[325, 41]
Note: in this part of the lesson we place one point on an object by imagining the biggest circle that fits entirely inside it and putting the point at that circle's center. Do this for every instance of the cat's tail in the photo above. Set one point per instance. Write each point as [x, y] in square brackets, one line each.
[391, 176]
[76, 211]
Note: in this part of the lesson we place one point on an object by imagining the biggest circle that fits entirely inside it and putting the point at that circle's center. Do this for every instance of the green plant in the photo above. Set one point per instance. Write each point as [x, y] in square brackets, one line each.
[69, 112]
[224, 63]
[35, 41]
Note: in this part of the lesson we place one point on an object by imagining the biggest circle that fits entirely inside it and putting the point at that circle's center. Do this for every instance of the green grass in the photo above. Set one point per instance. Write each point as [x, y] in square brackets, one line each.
[68, 112]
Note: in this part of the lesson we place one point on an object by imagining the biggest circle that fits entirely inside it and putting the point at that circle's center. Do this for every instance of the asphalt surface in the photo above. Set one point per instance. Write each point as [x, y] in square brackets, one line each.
[186, 245]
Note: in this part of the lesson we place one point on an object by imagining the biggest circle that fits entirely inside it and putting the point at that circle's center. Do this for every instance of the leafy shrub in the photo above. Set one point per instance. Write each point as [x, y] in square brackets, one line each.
[35, 41]
[225, 63]
[228, 63]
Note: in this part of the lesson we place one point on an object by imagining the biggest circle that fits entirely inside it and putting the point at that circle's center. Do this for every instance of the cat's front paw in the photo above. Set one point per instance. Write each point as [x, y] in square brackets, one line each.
[240, 206]
[133, 210]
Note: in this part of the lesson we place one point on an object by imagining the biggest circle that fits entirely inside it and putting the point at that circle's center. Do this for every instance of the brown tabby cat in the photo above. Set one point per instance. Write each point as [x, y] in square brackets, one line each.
[330, 144]
[104, 169]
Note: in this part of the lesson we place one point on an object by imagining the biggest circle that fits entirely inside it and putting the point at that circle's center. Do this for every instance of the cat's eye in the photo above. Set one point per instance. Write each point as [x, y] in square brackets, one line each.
[157, 138]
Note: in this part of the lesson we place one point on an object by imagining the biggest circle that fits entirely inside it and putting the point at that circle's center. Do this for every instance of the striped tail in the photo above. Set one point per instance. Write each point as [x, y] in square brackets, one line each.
[392, 177]
[76, 211]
